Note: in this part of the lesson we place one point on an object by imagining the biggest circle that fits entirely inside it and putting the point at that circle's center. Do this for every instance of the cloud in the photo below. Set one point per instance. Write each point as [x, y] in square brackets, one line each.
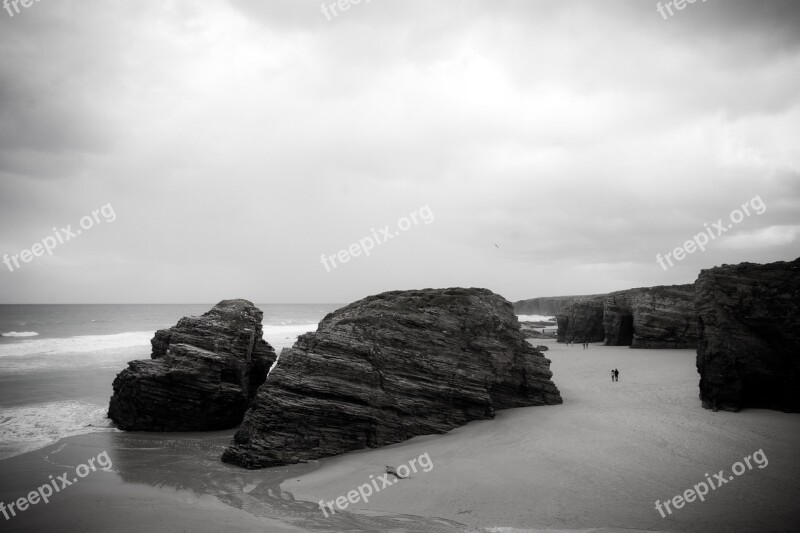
[769, 237]
[240, 140]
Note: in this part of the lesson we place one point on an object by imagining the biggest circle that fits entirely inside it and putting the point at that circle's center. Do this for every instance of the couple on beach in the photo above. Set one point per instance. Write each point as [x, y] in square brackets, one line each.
[572, 343]
[615, 375]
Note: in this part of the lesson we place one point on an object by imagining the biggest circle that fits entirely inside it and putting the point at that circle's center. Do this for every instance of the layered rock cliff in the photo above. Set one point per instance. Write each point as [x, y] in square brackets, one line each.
[203, 373]
[582, 321]
[748, 354]
[651, 317]
[546, 306]
[388, 368]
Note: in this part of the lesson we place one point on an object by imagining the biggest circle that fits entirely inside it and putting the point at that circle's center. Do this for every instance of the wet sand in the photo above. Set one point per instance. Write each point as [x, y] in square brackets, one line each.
[596, 463]
[172, 482]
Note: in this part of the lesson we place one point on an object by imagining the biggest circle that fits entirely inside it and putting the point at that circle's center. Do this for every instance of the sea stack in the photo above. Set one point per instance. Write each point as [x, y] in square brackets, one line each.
[651, 317]
[748, 353]
[390, 367]
[202, 375]
[582, 321]
[645, 317]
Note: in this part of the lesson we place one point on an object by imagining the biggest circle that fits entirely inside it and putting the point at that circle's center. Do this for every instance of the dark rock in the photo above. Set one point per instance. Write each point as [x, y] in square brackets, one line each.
[546, 306]
[582, 321]
[390, 367]
[202, 376]
[748, 353]
[651, 317]
[647, 317]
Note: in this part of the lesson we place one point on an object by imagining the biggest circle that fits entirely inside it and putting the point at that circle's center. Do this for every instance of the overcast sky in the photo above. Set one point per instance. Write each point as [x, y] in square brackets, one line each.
[553, 147]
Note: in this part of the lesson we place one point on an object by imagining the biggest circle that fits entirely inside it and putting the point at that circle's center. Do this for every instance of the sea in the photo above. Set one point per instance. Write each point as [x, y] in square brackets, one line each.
[57, 362]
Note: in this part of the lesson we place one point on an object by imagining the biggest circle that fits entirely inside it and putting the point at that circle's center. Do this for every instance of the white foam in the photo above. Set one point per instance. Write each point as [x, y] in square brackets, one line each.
[535, 318]
[33, 426]
[79, 344]
[292, 329]
[284, 336]
[20, 334]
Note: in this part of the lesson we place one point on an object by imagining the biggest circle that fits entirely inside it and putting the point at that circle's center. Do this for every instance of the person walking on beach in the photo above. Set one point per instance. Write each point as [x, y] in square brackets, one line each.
[616, 375]
[612, 374]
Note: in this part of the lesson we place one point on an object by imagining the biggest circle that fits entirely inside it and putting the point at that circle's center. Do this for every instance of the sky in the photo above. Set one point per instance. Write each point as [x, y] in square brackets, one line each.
[293, 151]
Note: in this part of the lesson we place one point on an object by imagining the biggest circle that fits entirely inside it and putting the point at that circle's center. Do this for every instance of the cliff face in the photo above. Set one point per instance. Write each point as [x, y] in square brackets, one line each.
[202, 376]
[647, 317]
[651, 317]
[388, 368]
[748, 354]
[582, 321]
[547, 306]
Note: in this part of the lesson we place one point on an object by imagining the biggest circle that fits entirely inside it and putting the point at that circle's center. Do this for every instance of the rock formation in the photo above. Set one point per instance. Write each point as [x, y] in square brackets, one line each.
[647, 317]
[651, 317]
[582, 321]
[390, 367]
[546, 306]
[202, 376]
[748, 353]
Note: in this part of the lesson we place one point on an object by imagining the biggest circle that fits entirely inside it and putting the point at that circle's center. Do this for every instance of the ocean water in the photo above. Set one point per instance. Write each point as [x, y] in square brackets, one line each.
[57, 362]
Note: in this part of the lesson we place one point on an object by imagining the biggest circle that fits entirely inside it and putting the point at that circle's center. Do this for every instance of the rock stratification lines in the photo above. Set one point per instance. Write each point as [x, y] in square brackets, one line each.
[390, 367]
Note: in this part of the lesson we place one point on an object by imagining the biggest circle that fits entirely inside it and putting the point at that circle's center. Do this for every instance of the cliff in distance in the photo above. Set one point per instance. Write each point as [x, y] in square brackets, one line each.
[651, 317]
[546, 306]
[582, 321]
[390, 367]
[647, 317]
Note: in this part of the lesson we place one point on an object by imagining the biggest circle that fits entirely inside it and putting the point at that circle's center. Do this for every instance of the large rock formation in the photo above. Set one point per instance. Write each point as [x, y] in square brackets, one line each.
[647, 317]
[582, 321]
[748, 354]
[388, 368]
[546, 306]
[202, 376]
[651, 317]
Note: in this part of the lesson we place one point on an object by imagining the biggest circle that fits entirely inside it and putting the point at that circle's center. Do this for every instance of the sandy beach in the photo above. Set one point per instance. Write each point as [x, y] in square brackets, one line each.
[600, 460]
[597, 462]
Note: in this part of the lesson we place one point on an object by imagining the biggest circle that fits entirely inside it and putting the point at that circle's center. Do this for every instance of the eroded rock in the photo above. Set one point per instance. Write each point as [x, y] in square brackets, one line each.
[582, 321]
[390, 367]
[203, 373]
[651, 317]
[748, 354]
